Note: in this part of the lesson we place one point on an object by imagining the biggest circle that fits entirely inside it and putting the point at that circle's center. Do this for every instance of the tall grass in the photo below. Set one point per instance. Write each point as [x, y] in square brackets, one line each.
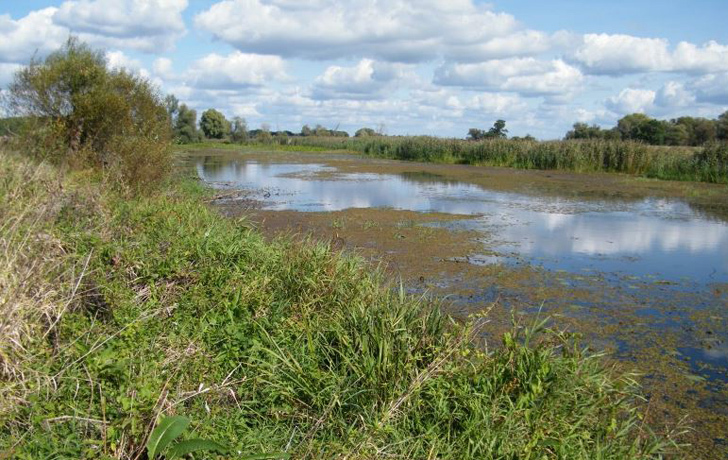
[164, 307]
[706, 164]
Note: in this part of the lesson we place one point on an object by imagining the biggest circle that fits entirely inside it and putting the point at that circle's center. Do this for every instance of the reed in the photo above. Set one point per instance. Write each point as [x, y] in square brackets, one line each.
[704, 164]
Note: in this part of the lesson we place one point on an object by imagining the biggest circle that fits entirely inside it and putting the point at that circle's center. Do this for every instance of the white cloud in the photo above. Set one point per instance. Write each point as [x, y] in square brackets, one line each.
[527, 76]
[518, 44]
[712, 88]
[7, 71]
[631, 100]
[119, 60]
[396, 30]
[711, 57]
[673, 95]
[144, 25]
[604, 54]
[367, 80]
[20, 39]
[236, 70]
[162, 67]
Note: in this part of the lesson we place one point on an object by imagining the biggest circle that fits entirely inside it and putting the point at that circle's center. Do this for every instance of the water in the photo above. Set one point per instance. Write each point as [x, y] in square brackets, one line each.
[667, 241]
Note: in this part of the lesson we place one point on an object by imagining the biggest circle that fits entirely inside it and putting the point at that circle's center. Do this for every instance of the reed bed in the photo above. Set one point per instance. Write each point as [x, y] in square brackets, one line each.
[703, 164]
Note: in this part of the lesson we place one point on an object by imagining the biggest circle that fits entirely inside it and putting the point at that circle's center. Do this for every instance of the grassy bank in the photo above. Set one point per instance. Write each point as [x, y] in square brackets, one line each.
[704, 164]
[117, 311]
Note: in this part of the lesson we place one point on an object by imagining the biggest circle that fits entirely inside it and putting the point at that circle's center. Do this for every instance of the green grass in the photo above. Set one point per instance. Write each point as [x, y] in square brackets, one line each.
[704, 164]
[119, 311]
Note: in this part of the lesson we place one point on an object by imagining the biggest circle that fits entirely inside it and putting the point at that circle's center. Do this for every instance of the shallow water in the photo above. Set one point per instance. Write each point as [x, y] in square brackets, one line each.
[665, 240]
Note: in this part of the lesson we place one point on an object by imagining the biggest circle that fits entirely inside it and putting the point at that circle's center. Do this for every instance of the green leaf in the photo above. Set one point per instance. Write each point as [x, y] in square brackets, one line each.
[166, 431]
[194, 445]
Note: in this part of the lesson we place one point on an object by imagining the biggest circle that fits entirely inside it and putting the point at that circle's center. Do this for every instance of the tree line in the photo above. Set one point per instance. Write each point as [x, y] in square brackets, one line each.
[683, 131]
[213, 125]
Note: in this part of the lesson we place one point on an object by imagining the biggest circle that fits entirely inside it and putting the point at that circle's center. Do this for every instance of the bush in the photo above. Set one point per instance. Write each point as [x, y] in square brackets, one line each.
[82, 114]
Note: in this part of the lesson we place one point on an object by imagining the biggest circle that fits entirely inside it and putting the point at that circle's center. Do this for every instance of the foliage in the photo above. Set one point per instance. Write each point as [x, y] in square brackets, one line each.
[185, 127]
[239, 130]
[640, 127]
[214, 125]
[498, 131]
[365, 132]
[12, 125]
[591, 155]
[269, 345]
[83, 114]
[161, 440]
[321, 131]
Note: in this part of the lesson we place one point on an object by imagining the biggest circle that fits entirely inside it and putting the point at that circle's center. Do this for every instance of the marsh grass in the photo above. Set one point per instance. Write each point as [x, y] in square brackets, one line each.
[278, 346]
[704, 164]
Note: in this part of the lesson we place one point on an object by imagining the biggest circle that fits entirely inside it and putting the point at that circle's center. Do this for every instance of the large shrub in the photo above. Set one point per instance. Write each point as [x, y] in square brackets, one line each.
[81, 113]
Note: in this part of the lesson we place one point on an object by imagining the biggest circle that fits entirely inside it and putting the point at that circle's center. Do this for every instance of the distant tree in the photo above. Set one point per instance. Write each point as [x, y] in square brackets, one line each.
[475, 134]
[584, 131]
[264, 134]
[722, 126]
[213, 124]
[321, 131]
[631, 126]
[704, 131]
[185, 126]
[281, 137]
[498, 131]
[239, 130]
[365, 132]
[171, 103]
[306, 131]
[677, 134]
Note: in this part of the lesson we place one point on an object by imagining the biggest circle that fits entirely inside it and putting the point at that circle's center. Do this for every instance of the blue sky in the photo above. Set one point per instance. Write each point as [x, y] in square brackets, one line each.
[413, 66]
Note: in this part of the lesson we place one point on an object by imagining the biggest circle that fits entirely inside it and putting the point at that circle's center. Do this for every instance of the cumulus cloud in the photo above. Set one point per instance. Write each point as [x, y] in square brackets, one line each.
[712, 88]
[7, 71]
[367, 80]
[36, 32]
[398, 30]
[604, 54]
[673, 95]
[527, 76]
[236, 70]
[162, 67]
[631, 100]
[149, 25]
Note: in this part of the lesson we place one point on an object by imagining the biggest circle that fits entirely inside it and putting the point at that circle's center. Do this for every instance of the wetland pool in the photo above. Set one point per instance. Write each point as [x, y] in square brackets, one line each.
[644, 277]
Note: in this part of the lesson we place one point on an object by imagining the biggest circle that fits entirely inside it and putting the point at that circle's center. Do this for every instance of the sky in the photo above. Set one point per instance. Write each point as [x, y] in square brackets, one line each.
[436, 67]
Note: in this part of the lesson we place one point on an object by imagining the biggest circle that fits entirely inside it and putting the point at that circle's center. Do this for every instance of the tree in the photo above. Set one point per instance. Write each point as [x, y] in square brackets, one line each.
[185, 127]
[264, 134]
[306, 131]
[498, 131]
[631, 126]
[584, 131]
[365, 132]
[722, 126]
[239, 131]
[677, 135]
[214, 125]
[85, 114]
[475, 134]
[171, 103]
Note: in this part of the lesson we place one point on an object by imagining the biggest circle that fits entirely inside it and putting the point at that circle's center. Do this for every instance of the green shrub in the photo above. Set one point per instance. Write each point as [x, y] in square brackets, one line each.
[82, 114]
